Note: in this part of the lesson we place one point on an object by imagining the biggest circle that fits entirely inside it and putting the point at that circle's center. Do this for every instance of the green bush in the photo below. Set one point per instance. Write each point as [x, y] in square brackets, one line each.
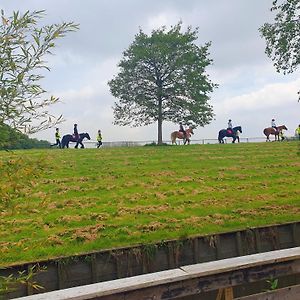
[11, 139]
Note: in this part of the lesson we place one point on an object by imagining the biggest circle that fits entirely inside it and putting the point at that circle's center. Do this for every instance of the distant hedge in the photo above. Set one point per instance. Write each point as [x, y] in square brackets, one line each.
[13, 139]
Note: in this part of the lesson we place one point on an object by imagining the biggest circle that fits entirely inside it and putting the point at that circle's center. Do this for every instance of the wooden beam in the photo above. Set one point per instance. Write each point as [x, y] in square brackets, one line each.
[187, 280]
[225, 294]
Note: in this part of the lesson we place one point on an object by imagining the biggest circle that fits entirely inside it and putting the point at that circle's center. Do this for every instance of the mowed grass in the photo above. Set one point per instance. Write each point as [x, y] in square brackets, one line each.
[94, 199]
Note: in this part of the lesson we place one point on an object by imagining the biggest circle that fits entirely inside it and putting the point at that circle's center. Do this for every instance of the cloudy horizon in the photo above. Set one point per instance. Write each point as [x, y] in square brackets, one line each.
[250, 90]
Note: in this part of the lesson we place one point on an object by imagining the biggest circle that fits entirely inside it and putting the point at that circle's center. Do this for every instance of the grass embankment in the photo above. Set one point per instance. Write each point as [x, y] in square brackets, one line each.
[91, 199]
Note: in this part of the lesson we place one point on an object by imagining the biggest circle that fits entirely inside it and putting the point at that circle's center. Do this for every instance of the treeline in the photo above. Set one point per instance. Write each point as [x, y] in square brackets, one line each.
[11, 139]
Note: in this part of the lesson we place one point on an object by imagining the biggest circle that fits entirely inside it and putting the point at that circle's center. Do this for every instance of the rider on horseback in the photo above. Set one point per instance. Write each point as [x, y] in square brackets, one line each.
[75, 133]
[229, 127]
[181, 129]
[273, 125]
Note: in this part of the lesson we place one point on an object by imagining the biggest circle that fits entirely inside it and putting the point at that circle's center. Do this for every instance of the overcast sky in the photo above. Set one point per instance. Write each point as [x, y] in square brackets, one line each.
[250, 91]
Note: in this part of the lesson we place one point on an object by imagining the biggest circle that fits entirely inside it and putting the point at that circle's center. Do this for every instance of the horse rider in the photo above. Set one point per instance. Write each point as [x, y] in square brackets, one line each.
[57, 138]
[75, 133]
[181, 129]
[297, 131]
[229, 126]
[99, 138]
[273, 125]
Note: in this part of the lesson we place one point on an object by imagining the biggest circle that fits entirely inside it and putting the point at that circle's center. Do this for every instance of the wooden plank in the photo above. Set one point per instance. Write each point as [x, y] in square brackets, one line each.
[247, 261]
[288, 293]
[94, 268]
[29, 282]
[239, 244]
[196, 251]
[225, 294]
[60, 275]
[188, 280]
[296, 236]
[218, 247]
[113, 286]
[228, 293]
[257, 240]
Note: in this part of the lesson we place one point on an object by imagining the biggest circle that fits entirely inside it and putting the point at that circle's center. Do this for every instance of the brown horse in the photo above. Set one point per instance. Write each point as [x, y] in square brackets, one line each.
[179, 135]
[270, 130]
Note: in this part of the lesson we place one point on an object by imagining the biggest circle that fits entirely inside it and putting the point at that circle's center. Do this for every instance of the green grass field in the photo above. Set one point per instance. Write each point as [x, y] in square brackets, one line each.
[64, 202]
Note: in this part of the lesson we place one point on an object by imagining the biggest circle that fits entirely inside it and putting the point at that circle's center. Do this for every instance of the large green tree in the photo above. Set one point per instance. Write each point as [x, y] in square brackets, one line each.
[162, 77]
[23, 47]
[283, 36]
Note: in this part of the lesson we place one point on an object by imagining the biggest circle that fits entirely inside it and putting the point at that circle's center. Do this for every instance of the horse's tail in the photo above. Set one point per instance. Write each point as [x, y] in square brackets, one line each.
[173, 137]
[220, 137]
[63, 142]
[265, 131]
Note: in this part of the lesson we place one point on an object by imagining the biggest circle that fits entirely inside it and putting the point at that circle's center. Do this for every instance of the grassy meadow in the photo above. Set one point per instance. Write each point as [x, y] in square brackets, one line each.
[63, 202]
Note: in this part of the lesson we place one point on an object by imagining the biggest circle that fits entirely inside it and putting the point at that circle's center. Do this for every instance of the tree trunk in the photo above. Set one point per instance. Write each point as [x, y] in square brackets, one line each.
[159, 130]
[159, 121]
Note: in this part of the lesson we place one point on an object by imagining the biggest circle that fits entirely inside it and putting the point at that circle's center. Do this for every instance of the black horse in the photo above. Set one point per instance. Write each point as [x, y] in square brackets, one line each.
[70, 138]
[234, 134]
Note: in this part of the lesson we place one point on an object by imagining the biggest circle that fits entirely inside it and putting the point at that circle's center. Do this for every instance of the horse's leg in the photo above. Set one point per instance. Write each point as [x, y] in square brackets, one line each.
[82, 146]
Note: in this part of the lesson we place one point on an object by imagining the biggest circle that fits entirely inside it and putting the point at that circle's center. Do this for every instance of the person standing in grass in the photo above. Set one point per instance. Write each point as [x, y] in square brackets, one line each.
[281, 135]
[99, 139]
[57, 138]
[297, 132]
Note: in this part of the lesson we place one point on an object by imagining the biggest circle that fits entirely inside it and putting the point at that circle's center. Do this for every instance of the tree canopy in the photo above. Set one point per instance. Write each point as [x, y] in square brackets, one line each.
[23, 46]
[162, 77]
[283, 36]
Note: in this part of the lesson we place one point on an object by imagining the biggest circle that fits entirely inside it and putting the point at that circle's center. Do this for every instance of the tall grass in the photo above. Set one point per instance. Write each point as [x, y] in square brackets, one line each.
[73, 201]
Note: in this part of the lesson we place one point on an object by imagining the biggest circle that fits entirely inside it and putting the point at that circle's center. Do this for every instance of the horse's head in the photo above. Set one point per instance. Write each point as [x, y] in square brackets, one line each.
[284, 127]
[238, 128]
[87, 136]
[190, 130]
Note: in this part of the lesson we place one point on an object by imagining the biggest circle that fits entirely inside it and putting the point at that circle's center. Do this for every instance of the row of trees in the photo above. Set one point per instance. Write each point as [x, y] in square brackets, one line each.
[162, 76]
[13, 139]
